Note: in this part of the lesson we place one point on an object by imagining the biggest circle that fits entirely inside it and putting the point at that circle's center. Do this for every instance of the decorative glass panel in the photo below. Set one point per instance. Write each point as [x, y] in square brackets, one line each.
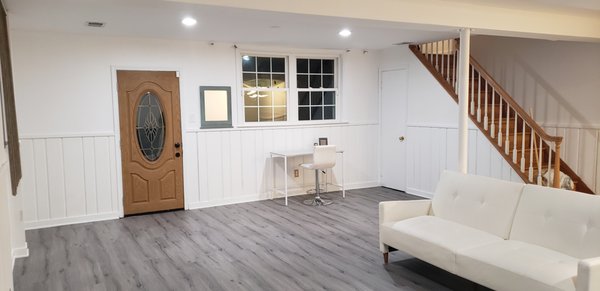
[150, 126]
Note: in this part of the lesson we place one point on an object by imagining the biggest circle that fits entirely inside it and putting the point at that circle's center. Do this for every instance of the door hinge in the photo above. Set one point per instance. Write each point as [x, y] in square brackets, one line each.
[177, 74]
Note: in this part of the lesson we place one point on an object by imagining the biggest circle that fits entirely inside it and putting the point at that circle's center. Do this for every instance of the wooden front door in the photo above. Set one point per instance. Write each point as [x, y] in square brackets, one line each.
[151, 147]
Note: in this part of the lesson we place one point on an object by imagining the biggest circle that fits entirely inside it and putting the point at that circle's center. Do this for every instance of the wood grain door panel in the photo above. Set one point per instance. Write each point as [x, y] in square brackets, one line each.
[152, 176]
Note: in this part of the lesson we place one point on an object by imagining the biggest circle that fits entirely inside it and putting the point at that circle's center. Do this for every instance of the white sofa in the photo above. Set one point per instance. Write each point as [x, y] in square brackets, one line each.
[503, 235]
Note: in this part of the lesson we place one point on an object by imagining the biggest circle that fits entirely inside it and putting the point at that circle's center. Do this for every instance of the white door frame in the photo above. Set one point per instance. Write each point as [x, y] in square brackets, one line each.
[380, 96]
[117, 128]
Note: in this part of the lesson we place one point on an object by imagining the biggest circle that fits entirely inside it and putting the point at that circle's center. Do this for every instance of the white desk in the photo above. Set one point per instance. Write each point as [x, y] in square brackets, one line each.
[285, 155]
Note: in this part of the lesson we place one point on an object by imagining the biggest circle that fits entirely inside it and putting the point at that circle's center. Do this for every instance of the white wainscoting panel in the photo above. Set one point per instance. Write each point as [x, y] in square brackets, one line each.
[68, 180]
[234, 165]
[434, 148]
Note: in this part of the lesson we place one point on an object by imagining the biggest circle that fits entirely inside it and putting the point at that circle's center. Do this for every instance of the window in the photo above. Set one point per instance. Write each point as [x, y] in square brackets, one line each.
[307, 86]
[265, 88]
[316, 89]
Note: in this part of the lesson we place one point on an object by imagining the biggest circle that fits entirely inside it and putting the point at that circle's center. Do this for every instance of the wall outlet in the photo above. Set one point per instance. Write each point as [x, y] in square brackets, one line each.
[296, 173]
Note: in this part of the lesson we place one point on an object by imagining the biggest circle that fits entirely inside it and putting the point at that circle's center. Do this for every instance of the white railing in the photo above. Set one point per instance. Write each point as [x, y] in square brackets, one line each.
[535, 154]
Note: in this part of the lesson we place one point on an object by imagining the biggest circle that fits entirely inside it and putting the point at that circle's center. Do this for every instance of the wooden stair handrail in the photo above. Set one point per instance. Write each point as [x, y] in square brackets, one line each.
[513, 104]
[558, 164]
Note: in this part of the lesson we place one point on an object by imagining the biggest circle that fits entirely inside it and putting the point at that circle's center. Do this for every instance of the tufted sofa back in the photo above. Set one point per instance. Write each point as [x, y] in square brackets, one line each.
[565, 221]
[479, 202]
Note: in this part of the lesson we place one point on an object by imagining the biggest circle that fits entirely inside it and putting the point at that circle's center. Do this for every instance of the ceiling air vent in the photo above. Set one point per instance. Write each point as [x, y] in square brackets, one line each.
[95, 24]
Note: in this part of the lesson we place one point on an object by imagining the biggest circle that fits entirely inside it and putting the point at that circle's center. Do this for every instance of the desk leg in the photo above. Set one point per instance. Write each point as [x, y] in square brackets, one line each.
[343, 183]
[274, 176]
[286, 179]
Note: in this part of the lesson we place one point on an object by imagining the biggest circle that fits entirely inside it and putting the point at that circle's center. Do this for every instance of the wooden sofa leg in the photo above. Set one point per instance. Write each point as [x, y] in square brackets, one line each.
[386, 258]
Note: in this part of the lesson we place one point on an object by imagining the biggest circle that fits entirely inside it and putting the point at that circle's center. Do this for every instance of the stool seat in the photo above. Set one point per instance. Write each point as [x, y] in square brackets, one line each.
[324, 157]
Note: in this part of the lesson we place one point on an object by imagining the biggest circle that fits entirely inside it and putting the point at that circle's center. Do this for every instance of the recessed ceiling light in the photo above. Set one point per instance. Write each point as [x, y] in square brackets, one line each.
[345, 32]
[188, 21]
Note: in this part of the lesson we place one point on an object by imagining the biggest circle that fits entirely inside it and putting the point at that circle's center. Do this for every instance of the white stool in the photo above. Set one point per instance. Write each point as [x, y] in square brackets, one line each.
[324, 157]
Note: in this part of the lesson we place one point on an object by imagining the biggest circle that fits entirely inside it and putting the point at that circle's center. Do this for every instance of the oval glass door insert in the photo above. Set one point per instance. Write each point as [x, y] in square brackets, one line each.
[150, 126]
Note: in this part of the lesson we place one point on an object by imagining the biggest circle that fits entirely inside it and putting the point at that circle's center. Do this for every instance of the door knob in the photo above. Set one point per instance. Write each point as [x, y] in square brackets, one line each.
[177, 145]
[177, 155]
[401, 138]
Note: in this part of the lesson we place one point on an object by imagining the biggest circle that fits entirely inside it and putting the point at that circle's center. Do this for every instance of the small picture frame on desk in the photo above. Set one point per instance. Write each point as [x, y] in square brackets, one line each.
[323, 141]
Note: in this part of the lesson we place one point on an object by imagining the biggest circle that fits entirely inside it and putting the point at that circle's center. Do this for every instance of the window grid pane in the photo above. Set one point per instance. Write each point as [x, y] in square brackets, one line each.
[316, 82]
[264, 88]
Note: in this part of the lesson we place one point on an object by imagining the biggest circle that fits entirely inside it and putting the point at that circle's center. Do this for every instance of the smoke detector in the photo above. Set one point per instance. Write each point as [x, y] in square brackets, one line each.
[95, 24]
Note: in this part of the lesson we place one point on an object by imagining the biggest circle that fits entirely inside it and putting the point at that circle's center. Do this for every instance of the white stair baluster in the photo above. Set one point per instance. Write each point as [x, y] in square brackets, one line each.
[443, 56]
[485, 126]
[515, 154]
[507, 141]
[523, 135]
[499, 119]
[540, 150]
[550, 181]
[531, 150]
[485, 118]
[472, 90]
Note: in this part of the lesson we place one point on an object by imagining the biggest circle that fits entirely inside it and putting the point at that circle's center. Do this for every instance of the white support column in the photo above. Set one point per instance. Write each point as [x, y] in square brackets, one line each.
[463, 99]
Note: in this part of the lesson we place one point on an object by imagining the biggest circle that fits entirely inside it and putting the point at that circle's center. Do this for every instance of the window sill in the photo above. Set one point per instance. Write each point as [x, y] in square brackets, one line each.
[272, 126]
[293, 124]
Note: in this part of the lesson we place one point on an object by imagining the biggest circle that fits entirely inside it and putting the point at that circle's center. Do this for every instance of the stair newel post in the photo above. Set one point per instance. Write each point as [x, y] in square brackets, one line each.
[556, 182]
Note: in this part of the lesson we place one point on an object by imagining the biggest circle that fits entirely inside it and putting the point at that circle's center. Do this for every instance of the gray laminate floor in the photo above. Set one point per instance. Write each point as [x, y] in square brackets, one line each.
[250, 246]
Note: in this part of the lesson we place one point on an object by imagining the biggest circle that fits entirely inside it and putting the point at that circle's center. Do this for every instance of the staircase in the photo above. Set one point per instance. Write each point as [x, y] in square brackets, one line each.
[531, 152]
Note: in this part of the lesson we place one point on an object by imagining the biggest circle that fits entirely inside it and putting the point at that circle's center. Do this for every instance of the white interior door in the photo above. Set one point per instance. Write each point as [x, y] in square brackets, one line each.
[393, 128]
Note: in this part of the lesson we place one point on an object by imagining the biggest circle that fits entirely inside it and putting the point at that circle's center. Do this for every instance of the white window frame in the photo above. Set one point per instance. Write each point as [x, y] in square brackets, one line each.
[291, 85]
[335, 89]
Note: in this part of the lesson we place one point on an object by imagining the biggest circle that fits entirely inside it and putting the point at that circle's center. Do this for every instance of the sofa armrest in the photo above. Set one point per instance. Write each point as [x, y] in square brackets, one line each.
[588, 274]
[399, 210]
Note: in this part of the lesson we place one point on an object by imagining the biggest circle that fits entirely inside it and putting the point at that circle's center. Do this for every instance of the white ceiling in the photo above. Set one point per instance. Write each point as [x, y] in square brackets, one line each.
[581, 6]
[162, 19]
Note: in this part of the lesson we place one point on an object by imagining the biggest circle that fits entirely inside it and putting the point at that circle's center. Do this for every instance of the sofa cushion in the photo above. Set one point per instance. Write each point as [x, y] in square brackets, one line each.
[433, 239]
[565, 221]
[515, 265]
[479, 202]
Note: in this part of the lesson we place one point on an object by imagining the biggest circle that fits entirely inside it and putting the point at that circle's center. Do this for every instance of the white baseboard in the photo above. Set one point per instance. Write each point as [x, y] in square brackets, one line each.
[192, 205]
[226, 201]
[418, 192]
[266, 196]
[20, 252]
[70, 220]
